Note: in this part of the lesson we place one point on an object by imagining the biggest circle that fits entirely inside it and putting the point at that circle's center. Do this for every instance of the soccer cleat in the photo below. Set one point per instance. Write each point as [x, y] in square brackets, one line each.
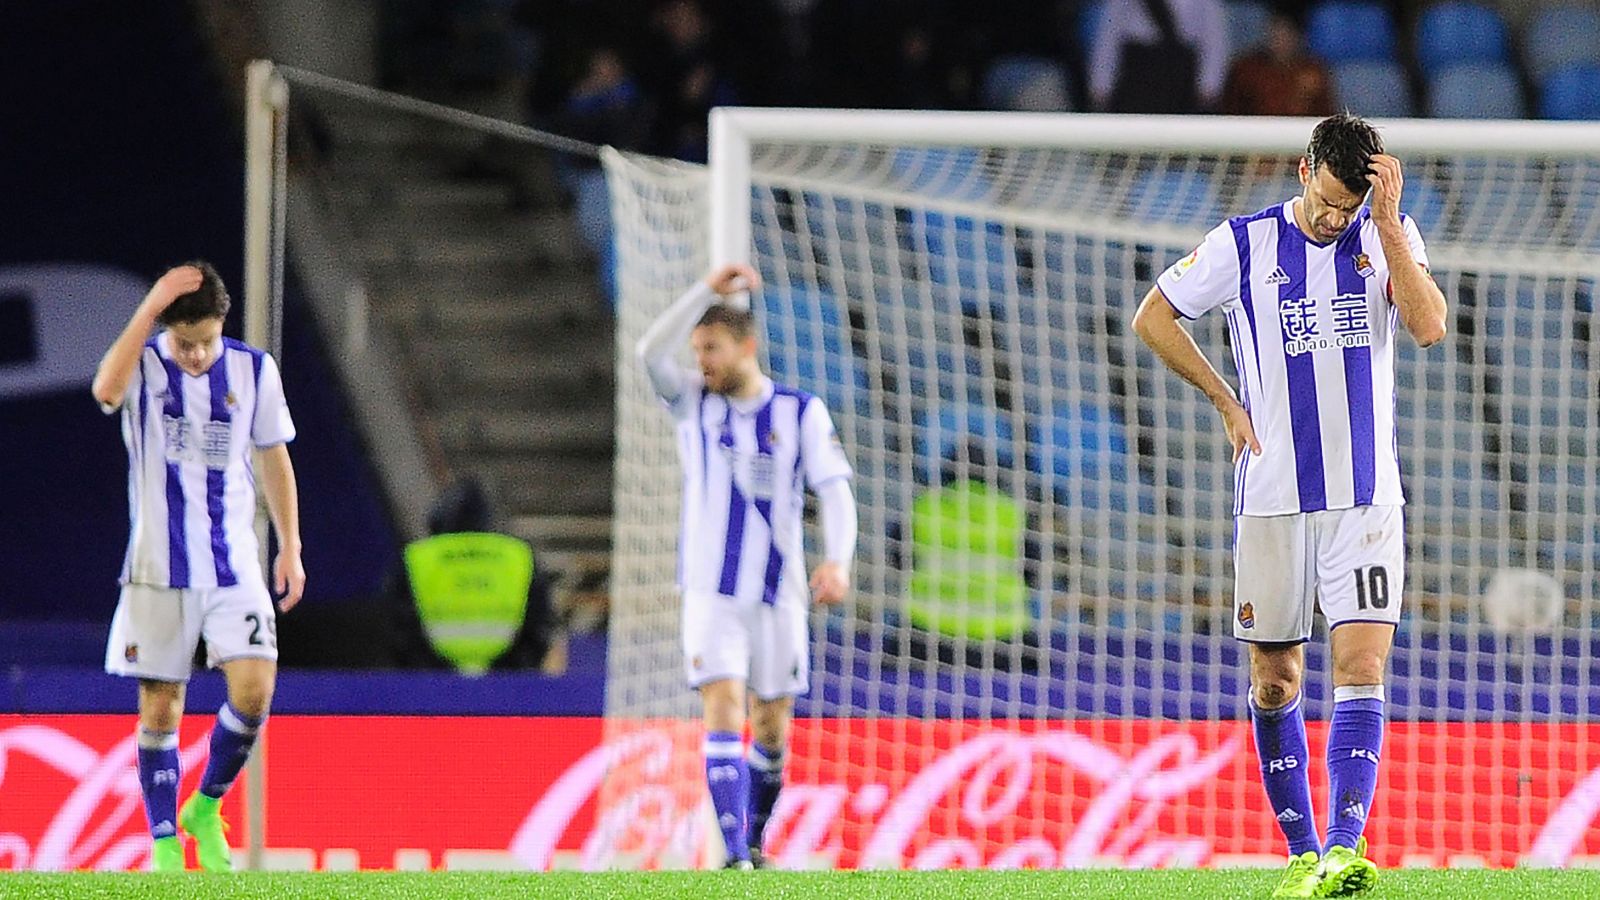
[758, 860]
[166, 855]
[201, 816]
[1346, 872]
[1301, 878]
[738, 865]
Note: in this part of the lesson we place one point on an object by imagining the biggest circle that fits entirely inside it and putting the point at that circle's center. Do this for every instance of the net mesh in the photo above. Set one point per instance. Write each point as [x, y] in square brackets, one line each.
[964, 311]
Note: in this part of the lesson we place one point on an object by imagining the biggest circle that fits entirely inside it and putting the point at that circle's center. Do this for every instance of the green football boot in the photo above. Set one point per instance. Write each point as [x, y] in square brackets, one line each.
[201, 816]
[1346, 872]
[1301, 878]
[166, 855]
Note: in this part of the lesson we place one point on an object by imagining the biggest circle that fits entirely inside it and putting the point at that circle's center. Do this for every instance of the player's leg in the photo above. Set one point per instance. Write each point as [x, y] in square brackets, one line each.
[241, 638]
[780, 671]
[717, 659]
[153, 637]
[1360, 571]
[1272, 611]
[769, 729]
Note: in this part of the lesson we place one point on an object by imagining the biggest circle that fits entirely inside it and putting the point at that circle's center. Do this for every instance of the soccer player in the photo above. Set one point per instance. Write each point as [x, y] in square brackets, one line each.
[747, 446]
[194, 406]
[1314, 291]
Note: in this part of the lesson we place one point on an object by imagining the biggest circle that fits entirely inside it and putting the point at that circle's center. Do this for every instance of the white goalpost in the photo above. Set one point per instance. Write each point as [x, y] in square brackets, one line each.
[1036, 667]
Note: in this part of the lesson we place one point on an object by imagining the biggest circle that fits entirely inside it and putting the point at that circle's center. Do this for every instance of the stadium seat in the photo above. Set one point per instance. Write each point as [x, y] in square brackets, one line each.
[1079, 447]
[968, 256]
[1091, 16]
[1459, 33]
[1571, 92]
[966, 563]
[1351, 31]
[1173, 196]
[964, 431]
[808, 347]
[1376, 89]
[1247, 25]
[1424, 203]
[1475, 92]
[1560, 37]
[1027, 83]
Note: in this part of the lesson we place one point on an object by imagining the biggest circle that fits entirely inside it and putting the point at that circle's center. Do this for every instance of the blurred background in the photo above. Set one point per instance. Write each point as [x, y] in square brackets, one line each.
[449, 339]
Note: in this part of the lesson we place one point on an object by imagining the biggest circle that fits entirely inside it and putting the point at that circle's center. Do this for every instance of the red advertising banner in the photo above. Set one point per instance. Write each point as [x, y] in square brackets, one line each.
[382, 792]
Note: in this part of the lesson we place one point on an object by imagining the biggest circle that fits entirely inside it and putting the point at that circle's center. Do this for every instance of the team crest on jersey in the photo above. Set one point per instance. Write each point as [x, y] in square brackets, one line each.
[131, 653]
[697, 663]
[231, 400]
[1182, 266]
[1364, 265]
[1247, 615]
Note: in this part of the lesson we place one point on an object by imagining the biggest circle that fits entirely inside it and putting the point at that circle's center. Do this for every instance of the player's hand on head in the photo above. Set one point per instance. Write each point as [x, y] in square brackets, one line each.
[177, 281]
[829, 583]
[288, 580]
[1241, 431]
[1385, 177]
[733, 278]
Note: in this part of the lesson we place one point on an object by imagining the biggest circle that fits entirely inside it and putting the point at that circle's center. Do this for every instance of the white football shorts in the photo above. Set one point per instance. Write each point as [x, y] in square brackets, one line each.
[1350, 561]
[155, 630]
[765, 645]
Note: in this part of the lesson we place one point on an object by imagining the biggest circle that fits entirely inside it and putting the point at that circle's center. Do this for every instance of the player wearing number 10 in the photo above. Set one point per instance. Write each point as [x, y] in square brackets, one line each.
[194, 406]
[1314, 291]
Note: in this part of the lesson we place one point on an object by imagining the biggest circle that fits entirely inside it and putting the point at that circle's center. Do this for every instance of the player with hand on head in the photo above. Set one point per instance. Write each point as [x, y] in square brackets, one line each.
[1314, 291]
[748, 448]
[195, 405]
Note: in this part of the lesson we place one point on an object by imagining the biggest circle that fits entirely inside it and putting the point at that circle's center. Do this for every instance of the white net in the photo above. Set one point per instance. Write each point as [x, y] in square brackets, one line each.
[1037, 667]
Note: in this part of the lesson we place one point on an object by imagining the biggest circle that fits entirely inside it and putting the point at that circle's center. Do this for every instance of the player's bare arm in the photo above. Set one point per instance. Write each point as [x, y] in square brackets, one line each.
[116, 367]
[1421, 303]
[1156, 323]
[283, 503]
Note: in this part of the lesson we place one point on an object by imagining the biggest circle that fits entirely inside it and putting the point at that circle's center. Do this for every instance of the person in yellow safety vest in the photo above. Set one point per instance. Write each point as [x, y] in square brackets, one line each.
[475, 599]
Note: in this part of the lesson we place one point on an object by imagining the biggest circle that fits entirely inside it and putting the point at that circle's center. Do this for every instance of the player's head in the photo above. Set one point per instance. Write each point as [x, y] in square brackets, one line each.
[724, 343]
[1334, 172]
[194, 320]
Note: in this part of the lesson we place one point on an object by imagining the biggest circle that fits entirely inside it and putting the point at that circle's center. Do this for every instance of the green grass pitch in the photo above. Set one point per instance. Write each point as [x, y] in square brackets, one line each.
[1056, 885]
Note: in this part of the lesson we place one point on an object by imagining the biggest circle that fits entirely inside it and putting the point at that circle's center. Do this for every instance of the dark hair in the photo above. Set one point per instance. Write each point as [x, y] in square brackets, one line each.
[1345, 144]
[208, 301]
[740, 322]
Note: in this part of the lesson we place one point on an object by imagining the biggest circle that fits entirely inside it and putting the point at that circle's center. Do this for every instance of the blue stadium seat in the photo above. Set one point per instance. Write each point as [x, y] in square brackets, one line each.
[808, 347]
[1425, 203]
[1460, 33]
[967, 255]
[1173, 196]
[1571, 92]
[1560, 37]
[1091, 16]
[1475, 92]
[1080, 444]
[963, 431]
[1027, 83]
[1351, 31]
[1376, 89]
[1247, 25]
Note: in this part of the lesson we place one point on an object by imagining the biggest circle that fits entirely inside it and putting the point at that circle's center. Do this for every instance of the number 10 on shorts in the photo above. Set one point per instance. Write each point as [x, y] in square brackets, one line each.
[1372, 588]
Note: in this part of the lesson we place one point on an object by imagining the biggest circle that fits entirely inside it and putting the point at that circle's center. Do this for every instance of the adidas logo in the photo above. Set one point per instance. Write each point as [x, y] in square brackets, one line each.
[1278, 276]
[1289, 815]
[1355, 811]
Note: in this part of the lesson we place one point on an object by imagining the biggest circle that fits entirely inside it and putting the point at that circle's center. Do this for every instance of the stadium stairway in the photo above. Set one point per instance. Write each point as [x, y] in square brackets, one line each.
[475, 268]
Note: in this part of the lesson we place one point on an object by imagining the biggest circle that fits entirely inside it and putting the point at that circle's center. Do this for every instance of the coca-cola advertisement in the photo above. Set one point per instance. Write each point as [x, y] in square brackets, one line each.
[490, 792]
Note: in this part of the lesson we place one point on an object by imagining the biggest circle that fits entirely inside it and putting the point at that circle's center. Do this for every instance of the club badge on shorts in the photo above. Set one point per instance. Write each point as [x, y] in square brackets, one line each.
[1247, 615]
[131, 653]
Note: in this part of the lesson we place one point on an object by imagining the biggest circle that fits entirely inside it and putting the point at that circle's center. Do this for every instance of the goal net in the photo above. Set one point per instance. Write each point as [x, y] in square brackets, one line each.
[1036, 667]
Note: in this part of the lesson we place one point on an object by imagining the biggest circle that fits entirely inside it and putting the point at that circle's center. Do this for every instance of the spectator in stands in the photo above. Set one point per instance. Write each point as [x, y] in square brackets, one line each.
[1159, 56]
[606, 106]
[686, 79]
[1280, 77]
[463, 549]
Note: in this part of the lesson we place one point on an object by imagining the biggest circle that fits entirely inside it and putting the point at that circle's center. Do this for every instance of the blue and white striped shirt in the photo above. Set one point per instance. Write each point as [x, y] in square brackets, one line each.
[1312, 328]
[191, 482]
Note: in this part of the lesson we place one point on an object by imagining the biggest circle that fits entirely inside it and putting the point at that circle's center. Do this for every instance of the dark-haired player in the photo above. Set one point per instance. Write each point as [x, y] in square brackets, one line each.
[195, 406]
[1315, 291]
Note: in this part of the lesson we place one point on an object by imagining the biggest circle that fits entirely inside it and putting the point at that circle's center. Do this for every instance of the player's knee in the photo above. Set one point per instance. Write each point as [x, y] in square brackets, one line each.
[1271, 693]
[160, 705]
[1359, 667]
[253, 700]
